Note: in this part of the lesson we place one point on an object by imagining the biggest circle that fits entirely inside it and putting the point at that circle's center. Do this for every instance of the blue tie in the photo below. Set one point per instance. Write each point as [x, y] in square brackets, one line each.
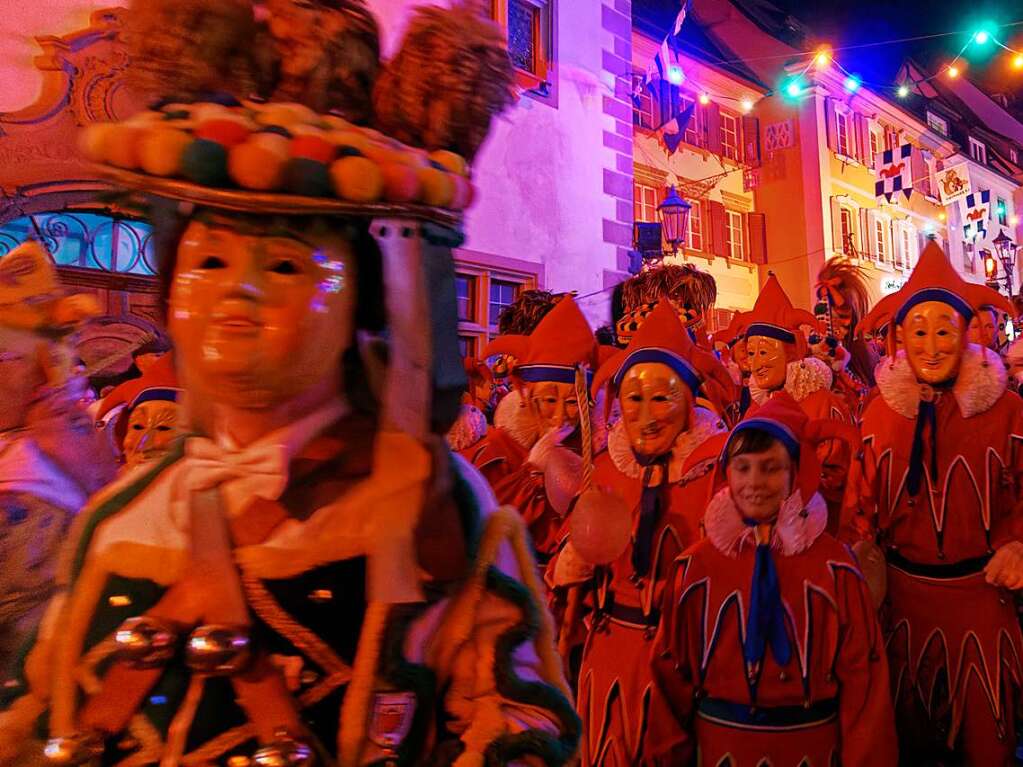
[766, 620]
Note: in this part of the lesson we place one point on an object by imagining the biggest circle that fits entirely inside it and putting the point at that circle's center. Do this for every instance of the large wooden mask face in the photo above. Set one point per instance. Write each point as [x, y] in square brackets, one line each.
[934, 335]
[259, 315]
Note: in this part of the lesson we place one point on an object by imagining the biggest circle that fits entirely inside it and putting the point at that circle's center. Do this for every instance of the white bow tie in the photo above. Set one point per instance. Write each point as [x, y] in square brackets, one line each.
[257, 471]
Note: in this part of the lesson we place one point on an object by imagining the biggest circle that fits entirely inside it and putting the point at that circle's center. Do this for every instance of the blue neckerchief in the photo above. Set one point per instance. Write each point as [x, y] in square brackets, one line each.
[926, 414]
[766, 620]
[650, 505]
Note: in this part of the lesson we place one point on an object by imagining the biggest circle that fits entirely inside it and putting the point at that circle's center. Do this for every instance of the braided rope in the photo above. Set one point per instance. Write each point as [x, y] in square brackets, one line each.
[582, 395]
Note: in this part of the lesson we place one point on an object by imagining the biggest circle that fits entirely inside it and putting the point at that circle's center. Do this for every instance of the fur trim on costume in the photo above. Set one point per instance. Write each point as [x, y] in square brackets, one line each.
[705, 425]
[979, 385]
[797, 527]
[469, 428]
[802, 378]
[511, 415]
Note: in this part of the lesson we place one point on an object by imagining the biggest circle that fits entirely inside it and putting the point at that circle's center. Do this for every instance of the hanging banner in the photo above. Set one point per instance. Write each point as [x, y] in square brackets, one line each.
[976, 210]
[953, 183]
[895, 173]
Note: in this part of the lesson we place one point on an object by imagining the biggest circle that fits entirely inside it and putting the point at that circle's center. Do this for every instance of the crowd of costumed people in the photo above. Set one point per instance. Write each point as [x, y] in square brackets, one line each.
[305, 532]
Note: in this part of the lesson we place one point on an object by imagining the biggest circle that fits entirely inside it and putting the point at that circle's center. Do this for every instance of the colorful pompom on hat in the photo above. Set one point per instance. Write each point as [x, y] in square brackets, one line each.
[285, 107]
[774, 316]
[662, 338]
[933, 279]
[561, 343]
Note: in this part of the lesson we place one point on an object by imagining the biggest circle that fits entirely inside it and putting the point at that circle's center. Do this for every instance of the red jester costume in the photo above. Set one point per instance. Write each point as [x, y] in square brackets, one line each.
[946, 436]
[769, 651]
[544, 412]
[652, 464]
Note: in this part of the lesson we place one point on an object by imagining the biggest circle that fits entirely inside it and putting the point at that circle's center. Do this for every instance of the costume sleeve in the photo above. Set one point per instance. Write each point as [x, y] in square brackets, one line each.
[865, 709]
[507, 698]
[670, 739]
[31, 532]
[1008, 525]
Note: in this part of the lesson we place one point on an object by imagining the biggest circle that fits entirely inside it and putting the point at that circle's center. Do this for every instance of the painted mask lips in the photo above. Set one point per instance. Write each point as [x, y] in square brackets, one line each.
[238, 325]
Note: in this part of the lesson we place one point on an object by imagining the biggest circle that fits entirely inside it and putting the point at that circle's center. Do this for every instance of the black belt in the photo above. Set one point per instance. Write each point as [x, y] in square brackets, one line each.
[767, 717]
[632, 615]
[960, 569]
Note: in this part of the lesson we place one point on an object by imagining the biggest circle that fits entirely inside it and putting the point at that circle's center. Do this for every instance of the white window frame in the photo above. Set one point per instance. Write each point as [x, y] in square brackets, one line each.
[881, 238]
[731, 151]
[876, 144]
[845, 213]
[978, 151]
[694, 229]
[844, 124]
[906, 236]
[641, 207]
[937, 124]
[734, 235]
[480, 327]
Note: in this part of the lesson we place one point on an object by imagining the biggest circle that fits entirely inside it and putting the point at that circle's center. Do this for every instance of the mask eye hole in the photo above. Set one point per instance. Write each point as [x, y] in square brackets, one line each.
[213, 262]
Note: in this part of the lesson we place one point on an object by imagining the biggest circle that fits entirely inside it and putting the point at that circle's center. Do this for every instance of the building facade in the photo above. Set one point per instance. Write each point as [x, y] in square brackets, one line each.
[713, 167]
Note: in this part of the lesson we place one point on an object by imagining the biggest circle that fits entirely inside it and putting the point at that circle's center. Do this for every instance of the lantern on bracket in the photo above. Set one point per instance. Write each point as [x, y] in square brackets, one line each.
[674, 213]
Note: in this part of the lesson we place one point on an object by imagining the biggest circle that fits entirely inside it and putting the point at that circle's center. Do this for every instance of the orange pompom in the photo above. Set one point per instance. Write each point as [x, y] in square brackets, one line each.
[401, 182]
[256, 166]
[450, 161]
[227, 133]
[357, 179]
[463, 193]
[379, 153]
[312, 148]
[437, 187]
[160, 151]
[92, 141]
[121, 147]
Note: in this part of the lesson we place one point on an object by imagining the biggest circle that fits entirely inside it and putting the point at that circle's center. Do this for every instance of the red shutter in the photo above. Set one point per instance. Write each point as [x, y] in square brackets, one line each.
[751, 137]
[921, 176]
[717, 227]
[836, 226]
[757, 225]
[862, 138]
[831, 127]
[714, 128]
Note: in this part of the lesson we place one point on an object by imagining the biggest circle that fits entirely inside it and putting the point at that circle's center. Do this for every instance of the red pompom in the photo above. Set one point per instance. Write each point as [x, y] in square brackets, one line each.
[227, 133]
[312, 148]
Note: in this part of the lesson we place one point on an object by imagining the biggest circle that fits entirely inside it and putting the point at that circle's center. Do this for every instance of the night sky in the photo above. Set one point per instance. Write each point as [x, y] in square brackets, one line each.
[846, 23]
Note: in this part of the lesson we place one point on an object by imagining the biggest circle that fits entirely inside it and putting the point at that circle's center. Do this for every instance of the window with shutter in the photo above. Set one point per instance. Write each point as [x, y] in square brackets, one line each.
[694, 237]
[644, 203]
[843, 128]
[734, 236]
[729, 136]
[881, 239]
[848, 231]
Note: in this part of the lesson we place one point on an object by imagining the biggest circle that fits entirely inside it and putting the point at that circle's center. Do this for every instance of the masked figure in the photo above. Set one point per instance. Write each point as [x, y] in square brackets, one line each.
[651, 466]
[769, 649]
[551, 373]
[842, 301]
[310, 576]
[946, 436]
[50, 458]
[149, 419]
[731, 343]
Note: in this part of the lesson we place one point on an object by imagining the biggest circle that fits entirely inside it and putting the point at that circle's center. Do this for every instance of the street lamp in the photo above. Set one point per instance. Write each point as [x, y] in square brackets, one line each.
[674, 213]
[1006, 249]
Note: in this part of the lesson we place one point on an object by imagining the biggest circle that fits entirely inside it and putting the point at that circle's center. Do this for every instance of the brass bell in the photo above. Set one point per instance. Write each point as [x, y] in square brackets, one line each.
[218, 650]
[145, 641]
[78, 749]
[286, 751]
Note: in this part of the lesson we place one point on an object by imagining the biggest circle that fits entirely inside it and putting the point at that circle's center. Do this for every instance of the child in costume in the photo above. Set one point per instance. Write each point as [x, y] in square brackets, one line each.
[947, 440]
[769, 649]
[50, 458]
[312, 576]
[656, 380]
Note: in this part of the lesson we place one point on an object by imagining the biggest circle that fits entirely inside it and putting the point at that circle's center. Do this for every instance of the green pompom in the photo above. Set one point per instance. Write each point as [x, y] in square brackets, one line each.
[307, 177]
[205, 163]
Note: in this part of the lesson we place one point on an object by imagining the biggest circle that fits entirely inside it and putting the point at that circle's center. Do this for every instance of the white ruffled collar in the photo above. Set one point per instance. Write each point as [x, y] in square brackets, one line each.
[468, 429]
[981, 382]
[797, 527]
[705, 425]
[802, 378]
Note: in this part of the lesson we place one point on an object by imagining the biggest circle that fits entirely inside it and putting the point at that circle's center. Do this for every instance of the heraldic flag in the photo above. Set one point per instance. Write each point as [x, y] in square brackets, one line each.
[895, 173]
[976, 212]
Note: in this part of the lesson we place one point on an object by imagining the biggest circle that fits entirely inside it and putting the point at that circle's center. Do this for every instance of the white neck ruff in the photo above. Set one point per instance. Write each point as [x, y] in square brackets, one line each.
[802, 378]
[705, 425]
[797, 527]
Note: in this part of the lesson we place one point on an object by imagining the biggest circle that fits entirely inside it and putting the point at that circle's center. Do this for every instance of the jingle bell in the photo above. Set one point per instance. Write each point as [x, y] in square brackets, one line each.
[285, 752]
[145, 641]
[218, 650]
[78, 749]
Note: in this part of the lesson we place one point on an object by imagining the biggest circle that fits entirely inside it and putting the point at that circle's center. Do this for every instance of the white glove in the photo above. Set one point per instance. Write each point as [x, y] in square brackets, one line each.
[541, 451]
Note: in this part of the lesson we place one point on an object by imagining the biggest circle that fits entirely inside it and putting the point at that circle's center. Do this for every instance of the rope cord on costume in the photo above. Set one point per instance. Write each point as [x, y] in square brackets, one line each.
[582, 396]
